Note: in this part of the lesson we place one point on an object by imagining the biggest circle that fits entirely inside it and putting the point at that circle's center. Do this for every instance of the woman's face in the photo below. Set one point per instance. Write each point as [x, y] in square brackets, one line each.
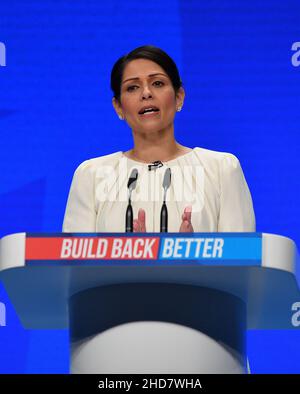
[146, 85]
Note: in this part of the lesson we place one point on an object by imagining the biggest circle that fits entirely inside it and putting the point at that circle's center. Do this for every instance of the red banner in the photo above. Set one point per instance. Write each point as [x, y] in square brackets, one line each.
[92, 248]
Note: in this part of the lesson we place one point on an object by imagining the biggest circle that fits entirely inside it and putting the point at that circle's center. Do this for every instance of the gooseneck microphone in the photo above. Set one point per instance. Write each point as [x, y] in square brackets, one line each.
[129, 212]
[164, 210]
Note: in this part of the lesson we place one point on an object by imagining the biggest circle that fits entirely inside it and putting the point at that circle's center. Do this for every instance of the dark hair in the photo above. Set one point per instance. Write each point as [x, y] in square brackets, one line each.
[148, 52]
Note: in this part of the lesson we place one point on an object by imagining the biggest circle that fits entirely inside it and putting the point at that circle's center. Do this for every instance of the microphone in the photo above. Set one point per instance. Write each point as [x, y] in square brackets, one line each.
[164, 210]
[129, 212]
[155, 164]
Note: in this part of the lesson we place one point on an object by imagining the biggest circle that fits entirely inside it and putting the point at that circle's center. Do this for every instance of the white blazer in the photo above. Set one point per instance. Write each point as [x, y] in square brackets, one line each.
[212, 183]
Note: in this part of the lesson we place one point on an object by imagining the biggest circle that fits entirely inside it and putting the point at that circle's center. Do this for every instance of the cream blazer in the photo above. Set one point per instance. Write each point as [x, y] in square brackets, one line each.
[211, 182]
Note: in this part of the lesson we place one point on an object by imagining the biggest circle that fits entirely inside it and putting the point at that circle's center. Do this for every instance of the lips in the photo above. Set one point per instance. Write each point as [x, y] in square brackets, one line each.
[150, 109]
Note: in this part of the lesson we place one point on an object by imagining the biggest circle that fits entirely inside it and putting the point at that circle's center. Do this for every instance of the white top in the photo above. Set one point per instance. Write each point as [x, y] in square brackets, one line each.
[211, 182]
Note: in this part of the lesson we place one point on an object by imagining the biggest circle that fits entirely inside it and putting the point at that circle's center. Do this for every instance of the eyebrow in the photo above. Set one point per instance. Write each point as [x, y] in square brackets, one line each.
[137, 78]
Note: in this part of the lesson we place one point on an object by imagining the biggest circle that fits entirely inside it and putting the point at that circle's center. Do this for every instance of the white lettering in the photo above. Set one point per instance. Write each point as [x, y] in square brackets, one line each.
[66, 248]
[127, 249]
[199, 242]
[116, 248]
[296, 316]
[77, 248]
[188, 246]
[177, 248]
[137, 254]
[84, 248]
[86, 244]
[2, 55]
[207, 247]
[2, 314]
[102, 248]
[148, 248]
[115, 384]
[89, 254]
[111, 184]
[218, 247]
[168, 248]
[296, 56]
[132, 248]
[204, 247]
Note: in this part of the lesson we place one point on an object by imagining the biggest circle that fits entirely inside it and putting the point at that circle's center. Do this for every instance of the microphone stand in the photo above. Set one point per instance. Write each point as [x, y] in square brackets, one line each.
[164, 210]
[129, 212]
[129, 218]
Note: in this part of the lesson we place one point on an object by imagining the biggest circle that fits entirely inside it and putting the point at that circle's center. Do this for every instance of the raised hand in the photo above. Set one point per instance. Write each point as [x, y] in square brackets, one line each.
[186, 225]
[139, 224]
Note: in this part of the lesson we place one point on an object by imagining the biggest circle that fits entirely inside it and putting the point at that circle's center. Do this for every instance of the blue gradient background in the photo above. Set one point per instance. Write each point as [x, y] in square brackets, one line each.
[242, 96]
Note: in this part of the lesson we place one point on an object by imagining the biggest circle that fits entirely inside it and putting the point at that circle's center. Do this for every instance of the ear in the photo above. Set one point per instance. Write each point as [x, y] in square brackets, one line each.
[180, 97]
[117, 106]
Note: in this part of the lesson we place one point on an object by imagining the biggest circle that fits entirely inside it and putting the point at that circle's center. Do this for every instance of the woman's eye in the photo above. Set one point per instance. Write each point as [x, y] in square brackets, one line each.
[131, 88]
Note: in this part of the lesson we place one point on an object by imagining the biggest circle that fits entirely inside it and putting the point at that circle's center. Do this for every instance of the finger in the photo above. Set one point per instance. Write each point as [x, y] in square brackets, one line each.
[135, 226]
[142, 219]
[141, 216]
[190, 228]
[183, 227]
[188, 213]
[186, 227]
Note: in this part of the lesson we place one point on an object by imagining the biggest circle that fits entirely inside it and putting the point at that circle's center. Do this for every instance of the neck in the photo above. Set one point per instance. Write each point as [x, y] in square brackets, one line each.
[149, 147]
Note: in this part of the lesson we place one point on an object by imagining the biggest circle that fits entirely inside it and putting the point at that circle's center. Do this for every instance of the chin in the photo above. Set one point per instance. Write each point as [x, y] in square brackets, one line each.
[152, 129]
[154, 126]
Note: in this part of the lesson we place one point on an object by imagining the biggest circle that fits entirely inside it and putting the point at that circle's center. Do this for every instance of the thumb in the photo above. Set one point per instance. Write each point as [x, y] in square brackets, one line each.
[188, 213]
[142, 216]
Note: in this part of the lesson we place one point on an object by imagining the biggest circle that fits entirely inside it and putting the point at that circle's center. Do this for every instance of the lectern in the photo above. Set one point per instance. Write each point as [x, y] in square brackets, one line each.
[151, 302]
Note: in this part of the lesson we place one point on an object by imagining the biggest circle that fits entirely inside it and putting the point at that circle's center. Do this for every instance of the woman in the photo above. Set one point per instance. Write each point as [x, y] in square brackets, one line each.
[208, 191]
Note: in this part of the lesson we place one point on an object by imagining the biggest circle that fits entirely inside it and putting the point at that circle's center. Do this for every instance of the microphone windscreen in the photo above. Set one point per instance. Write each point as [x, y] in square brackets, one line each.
[132, 179]
[167, 178]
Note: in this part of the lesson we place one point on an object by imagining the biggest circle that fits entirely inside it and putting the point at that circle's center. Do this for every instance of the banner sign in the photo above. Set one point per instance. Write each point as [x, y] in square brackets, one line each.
[202, 248]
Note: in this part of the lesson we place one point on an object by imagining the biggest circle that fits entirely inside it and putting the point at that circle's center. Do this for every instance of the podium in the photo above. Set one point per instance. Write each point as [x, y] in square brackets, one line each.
[151, 302]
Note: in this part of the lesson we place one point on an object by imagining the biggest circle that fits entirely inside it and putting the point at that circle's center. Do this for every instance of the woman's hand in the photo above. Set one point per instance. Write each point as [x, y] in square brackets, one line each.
[139, 224]
[186, 225]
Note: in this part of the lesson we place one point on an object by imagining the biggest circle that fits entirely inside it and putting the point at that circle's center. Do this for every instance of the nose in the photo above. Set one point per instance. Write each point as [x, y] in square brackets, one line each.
[146, 92]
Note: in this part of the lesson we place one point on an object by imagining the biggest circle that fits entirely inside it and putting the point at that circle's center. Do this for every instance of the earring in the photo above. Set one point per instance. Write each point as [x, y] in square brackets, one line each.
[120, 117]
[178, 109]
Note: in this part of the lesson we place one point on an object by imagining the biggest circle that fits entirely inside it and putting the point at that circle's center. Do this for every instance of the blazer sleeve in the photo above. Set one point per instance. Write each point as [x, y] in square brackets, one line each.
[236, 208]
[80, 213]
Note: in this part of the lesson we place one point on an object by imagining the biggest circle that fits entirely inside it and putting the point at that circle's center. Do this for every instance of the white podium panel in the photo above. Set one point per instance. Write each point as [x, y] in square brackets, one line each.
[154, 348]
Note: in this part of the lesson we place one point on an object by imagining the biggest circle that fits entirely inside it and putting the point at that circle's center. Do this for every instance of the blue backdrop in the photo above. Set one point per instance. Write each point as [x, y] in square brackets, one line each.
[242, 82]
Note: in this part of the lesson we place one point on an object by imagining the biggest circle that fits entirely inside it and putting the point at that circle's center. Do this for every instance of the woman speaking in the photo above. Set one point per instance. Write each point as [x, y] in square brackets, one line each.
[202, 190]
